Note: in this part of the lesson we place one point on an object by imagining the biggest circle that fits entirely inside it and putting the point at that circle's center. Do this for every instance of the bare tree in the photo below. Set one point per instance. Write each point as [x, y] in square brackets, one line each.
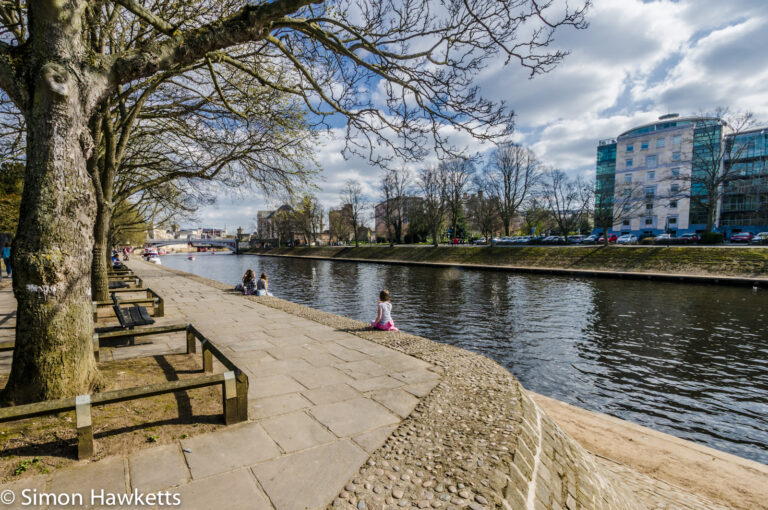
[613, 204]
[568, 200]
[432, 184]
[458, 175]
[511, 177]
[483, 212]
[353, 206]
[395, 185]
[60, 63]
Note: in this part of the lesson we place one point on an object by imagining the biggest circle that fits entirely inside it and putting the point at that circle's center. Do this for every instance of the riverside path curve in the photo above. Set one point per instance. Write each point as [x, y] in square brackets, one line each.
[342, 417]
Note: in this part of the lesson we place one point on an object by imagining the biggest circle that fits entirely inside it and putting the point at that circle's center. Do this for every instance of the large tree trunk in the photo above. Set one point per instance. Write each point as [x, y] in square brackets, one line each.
[101, 255]
[53, 356]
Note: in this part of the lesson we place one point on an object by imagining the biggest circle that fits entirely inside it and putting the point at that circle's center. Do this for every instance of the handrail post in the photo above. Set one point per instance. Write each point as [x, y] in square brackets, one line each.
[241, 383]
[159, 306]
[95, 309]
[207, 357]
[229, 398]
[191, 347]
[84, 427]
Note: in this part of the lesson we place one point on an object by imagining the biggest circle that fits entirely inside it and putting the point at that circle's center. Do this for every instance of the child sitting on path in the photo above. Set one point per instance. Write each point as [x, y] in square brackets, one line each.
[384, 318]
[262, 287]
[249, 282]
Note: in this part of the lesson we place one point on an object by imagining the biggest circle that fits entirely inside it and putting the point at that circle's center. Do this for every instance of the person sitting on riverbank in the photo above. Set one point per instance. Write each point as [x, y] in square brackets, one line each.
[262, 287]
[249, 282]
[384, 317]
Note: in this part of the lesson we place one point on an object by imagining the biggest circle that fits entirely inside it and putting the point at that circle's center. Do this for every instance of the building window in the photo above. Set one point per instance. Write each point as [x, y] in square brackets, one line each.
[628, 178]
[675, 156]
[630, 147]
[644, 145]
[673, 204]
[649, 221]
[675, 172]
[628, 163]
[672, 220]
[625, 223]
[648, 207]
[627, 192]
[626, 207]
[651, 175]
[651, 161]
[659, 143]
[650, 191]
[677, 139]
[674, 188]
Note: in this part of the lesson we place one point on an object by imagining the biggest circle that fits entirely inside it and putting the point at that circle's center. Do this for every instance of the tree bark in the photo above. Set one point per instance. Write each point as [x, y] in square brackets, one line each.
[53, 356]
[101, 254]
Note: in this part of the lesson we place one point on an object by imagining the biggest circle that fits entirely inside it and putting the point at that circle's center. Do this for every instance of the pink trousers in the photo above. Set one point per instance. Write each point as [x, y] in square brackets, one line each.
[389, 326]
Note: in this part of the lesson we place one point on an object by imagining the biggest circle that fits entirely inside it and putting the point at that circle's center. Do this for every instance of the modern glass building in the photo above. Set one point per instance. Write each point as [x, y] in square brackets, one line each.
[656, 173]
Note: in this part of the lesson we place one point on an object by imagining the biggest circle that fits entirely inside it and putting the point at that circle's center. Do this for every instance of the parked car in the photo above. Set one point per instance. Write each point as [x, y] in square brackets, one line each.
[522, 239]
[627, 239]
[665, 239]
[552, 240]
[611, 238]
[742, 237]
[479, 241]
[591, 239]
[761, 238]
[689, 238]
[579, 239]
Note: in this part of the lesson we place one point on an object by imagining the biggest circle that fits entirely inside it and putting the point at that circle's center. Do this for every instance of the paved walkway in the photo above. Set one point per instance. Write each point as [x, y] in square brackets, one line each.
[320, 401]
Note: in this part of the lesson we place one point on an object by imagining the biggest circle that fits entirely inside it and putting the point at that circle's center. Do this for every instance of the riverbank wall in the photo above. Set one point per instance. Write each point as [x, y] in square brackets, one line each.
[726, 265]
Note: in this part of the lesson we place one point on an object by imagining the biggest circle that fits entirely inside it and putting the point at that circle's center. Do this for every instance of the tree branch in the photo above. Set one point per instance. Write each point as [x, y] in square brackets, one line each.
[249, 24]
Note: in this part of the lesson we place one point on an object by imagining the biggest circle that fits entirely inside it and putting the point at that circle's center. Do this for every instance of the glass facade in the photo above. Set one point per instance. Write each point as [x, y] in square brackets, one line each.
[745, 195]
[605, 184]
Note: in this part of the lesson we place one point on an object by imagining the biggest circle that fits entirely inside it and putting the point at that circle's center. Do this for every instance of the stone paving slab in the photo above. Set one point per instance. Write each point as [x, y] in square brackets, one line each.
[236, 490]
[310, 479]
[228, 449]
[297, 431]
[158, 468]
[351, 417]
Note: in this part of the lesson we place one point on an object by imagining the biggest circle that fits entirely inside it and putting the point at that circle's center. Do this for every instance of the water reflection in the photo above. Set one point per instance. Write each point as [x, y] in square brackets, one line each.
[689, 360]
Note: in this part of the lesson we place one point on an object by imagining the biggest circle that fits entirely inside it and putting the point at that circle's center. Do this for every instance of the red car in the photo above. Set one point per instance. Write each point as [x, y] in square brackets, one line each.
[689, 238]
[742, 237]
[611, 238]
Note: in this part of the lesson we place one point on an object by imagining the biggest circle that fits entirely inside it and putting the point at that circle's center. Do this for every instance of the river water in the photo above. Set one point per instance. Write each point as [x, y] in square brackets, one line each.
[689, 360]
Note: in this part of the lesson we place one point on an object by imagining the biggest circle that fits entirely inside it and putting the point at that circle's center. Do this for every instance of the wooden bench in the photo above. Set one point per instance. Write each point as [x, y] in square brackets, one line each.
[152, 298]
[131, 316]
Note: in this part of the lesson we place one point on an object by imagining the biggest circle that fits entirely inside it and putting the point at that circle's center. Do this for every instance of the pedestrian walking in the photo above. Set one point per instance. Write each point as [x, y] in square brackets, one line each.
[6, 255]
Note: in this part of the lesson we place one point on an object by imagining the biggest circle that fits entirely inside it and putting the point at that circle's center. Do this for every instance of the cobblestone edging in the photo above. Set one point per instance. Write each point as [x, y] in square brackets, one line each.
[478, 440]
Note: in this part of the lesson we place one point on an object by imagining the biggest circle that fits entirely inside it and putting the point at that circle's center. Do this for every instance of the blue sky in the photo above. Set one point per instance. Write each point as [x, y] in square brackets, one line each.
[636, 61]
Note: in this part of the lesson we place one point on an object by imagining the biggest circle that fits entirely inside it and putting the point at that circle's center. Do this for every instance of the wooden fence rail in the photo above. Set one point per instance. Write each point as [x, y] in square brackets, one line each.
[234, 384]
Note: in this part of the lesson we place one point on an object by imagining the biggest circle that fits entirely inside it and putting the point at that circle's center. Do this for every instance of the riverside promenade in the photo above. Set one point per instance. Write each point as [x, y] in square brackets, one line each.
[349, 418]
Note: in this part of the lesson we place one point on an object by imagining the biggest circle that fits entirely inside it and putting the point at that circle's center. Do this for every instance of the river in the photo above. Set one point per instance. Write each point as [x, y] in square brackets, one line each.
[689, 360]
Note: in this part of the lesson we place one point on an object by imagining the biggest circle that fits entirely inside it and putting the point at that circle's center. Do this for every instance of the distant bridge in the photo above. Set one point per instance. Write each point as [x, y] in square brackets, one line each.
[223, 242]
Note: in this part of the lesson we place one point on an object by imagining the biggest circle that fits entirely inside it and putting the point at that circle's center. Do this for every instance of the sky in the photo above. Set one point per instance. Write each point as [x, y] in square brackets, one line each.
[636, 61]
